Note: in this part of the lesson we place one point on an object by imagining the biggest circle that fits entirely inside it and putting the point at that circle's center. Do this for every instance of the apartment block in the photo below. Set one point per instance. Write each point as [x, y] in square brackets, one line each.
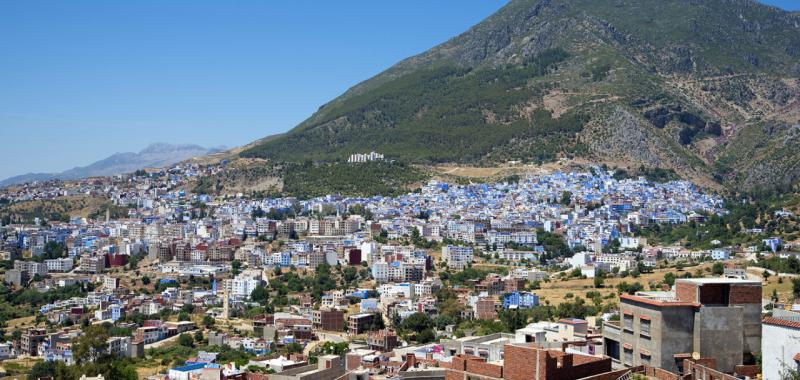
[718, 318]
[328, 320]
[359, 323]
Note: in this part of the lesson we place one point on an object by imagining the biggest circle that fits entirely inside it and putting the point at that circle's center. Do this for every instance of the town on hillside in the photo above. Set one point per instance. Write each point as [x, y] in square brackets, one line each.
[572, 275]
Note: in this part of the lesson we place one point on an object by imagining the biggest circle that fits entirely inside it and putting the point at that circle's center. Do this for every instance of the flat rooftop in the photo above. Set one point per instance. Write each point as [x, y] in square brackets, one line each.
[719, 280]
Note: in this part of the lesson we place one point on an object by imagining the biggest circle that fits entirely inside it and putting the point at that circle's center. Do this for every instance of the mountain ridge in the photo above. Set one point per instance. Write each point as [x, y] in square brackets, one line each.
[652, 83]
[155, 155]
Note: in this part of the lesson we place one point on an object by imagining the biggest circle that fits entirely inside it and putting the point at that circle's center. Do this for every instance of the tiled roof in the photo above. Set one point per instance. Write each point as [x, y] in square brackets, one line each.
[780, 322]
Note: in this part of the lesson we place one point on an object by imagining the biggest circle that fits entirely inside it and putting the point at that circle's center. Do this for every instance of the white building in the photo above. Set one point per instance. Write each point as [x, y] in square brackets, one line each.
[780, 345]
[628, 242]
[59, 265]
[380, 271]
[371, 156]
[457, 257]
[241, 286]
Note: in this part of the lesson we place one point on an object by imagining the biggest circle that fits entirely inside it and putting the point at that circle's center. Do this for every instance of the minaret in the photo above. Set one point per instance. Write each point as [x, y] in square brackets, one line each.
[225, 305]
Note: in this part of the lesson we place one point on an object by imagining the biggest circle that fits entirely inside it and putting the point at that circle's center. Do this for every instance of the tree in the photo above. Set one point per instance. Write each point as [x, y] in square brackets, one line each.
[513, 319]
[718, 269]
[208, 321]
[669, 278]
[796, 287]
[599, 282]
[260, 294]
[416, 322]
[183, 316]
[686, 135]
[43, 370]
[377, 322]
[91, 344]
[426, 336]
[566, 198]
[198, 336]
[293, 348]
[186, 340]
[236, 267]
[330, 348]
[145, 280]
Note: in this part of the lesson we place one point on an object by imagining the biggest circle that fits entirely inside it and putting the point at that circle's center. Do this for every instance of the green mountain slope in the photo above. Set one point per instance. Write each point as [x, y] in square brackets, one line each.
[679, 84]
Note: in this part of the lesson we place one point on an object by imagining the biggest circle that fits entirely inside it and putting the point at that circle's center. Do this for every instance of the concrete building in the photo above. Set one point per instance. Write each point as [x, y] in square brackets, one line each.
[30, 341]
[17, 277]
[457, 257]
[780, 347]
[486, 308]
[92, 264]
[328, 320]
[716, 317]
[328, 367]
[359, 323]
[383, 340]
[59, 265]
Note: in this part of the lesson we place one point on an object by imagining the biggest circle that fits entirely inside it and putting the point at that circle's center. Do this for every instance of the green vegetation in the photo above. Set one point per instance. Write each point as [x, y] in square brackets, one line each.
[731, 228]
[114, 212]
[485, 97]
[310, 180]
[553, 244]
[90, 360]
[779, 265]
[26, 301]
[657, 175]
[435, 115]
[58, 209]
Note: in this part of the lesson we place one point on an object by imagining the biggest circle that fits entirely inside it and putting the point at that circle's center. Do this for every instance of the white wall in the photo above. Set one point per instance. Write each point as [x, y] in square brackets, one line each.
[778, 347]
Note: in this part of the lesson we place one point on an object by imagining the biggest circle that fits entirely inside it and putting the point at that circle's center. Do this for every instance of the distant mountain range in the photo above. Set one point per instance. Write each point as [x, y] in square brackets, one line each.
[153, 156]
[707, 88]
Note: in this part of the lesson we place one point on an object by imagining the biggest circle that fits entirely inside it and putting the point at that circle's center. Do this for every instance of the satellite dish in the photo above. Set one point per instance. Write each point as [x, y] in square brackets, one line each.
[696, 355]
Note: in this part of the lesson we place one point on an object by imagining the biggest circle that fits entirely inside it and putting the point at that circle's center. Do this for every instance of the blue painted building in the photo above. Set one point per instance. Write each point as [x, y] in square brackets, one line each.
[520, 300]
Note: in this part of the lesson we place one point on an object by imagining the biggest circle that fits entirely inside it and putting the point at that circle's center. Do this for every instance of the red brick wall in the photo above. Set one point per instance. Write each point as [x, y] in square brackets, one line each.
[745, 294]
[585, 369]
[685, 292]
[713, 294]
[454, 375]
[614, 375]
[459, 363]
[661, 374]
[520, 362]
[700, 372]
[485, 369]
[352, 361]
[750, 371]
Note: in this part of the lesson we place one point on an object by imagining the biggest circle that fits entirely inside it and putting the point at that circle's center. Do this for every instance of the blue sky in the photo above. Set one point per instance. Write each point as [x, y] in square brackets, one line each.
[80, 80]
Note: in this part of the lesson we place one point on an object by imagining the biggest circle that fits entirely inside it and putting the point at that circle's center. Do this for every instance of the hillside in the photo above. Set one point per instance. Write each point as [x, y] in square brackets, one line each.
[153, 156]
[709, 89]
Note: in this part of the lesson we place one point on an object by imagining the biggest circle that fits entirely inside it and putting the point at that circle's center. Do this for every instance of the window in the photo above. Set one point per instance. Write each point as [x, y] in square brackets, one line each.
[627, 322]
[628, 356]
[644, 327]
[645, 357]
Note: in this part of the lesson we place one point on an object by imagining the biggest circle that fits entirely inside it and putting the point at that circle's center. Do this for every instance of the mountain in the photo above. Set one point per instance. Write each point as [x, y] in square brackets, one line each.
[708, 88]
[153, 156]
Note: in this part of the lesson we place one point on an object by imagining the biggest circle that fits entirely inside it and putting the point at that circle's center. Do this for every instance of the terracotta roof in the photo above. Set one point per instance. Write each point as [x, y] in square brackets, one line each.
[780, 322]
